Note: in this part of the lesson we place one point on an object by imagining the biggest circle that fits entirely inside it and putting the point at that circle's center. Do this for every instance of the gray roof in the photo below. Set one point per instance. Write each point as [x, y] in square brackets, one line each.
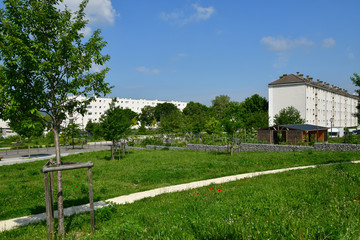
[304, 127]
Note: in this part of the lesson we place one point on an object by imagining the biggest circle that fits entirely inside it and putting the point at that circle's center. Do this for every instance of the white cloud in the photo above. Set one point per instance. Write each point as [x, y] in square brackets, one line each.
[203, 13]
[283, 44]
[98, 12]
[146, 70]
[182, 54]
[328, 43]
[196, 13]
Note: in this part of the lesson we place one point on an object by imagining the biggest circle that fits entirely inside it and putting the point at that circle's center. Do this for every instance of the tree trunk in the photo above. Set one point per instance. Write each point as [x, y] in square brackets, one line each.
[61, 229]
[29, 147]
[123, 148]
[112, 150]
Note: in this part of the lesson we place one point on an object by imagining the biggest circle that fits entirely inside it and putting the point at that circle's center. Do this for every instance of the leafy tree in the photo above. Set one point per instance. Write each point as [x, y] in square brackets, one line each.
[356, 80]
[72, 131]
[147, 115]
[197, 114]
[233, 122]
[255, 112]
[220, 105]
[172, 121]
[115, 123]
[212, 126]
[163, 109]
[289, 115]
[44, 59]
[26, 127]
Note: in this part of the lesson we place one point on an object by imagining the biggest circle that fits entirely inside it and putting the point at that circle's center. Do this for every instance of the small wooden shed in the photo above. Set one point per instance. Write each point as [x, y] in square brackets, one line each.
[293, 134]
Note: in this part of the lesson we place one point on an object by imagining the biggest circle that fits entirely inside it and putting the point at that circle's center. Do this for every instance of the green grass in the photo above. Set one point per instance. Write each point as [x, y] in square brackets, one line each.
[321, 203]
[22, 187]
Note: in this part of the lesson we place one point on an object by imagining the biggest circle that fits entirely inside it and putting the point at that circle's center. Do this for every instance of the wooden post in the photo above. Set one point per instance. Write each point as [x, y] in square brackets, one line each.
[91, 196]
[50, 231]
[52, 202]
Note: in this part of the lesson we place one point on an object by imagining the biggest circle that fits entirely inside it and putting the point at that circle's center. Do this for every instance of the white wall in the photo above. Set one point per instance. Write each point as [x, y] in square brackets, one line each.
[285, 96]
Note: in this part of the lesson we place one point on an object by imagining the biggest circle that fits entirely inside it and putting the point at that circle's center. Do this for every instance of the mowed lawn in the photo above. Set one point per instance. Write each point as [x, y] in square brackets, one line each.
[22, 186]
[320, 203]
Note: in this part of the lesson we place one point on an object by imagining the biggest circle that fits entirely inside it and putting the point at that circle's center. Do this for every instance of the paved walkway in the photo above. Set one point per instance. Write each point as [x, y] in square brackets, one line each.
[21, 156]
[23, 221]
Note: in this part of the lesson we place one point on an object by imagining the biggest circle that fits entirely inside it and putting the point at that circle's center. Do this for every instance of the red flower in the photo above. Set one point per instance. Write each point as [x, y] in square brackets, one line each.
[34, 186]
[220, 185]
[210, 189]
[203, 193]
[76, 186]
[219, 190]
[197, 193]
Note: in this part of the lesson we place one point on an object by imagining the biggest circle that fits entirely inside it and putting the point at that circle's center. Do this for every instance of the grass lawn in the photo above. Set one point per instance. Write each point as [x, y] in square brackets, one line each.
[320, 203]
[22, 187]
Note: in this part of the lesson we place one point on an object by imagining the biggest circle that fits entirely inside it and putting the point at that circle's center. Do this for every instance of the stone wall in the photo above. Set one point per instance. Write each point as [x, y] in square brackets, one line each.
[251, 147]
[336, 147]
[163, 147]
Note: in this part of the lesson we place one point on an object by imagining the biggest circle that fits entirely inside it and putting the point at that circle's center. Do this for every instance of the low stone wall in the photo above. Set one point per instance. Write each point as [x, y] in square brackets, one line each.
[250, 147]
[208, 148]
[335, 147]
[163, 147]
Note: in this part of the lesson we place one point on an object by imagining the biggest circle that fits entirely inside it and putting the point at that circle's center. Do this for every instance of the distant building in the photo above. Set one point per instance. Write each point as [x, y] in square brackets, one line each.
[318, 102]
[98, 107]
[5, 129]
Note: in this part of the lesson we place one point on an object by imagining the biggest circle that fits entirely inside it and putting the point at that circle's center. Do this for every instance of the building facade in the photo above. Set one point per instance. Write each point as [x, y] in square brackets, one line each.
[98, 107]
[318, 102]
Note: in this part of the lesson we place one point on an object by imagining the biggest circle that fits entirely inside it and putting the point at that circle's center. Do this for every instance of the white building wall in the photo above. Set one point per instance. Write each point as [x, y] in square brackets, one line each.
[285, 96]
[316, 105]
[98, 107]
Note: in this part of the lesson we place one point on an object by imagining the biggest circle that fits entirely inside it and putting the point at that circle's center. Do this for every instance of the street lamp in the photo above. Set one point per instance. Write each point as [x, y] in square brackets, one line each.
[331, 124]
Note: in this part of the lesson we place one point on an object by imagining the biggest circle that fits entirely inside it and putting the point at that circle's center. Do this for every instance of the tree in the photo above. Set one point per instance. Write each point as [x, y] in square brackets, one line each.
[115, 123]
[147, 115]
[220, 104]
[232, 122]
[255, 112]
[26, 127]
[73, 131]
[289, 115]
[44, 59]
[163, 109]
[197, 114]
[356, 80]
[172, 121]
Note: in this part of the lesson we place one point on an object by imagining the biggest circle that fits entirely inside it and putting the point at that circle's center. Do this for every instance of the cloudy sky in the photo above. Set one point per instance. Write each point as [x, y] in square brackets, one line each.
[195, 50]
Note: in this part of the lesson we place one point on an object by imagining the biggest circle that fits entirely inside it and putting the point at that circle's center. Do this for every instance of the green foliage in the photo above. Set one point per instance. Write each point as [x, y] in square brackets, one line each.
[289, 115]
[72, 131]
[147, 115]
[26, 127]
[220, 105]
[151, 141]
[115, 123]
[163, 109]
[172, 122]
[356, 80]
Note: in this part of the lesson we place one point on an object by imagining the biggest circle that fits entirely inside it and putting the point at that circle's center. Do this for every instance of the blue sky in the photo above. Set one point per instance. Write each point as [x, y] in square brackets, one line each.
[195, 50]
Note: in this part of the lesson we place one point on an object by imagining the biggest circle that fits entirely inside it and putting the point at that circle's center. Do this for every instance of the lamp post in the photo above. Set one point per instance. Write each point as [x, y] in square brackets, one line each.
[331, 124]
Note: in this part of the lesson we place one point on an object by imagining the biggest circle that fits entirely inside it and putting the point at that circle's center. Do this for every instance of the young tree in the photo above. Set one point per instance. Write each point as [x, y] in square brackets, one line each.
[356, 80]
[73, 131]
[44, 59]
[289, 115]
[115, 124]
[232, 122]
[26, 127]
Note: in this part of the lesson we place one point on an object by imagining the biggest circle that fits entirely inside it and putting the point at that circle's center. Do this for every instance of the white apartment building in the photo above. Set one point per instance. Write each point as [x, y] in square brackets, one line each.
[318, 102]
[98, 107]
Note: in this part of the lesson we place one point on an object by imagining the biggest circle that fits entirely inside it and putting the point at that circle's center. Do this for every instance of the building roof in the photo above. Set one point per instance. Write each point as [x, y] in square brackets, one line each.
[288, 79]
[301, 127]
[300, 79]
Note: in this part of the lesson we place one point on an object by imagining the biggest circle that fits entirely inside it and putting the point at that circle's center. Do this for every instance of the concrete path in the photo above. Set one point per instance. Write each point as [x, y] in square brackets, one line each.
[22, 156]
[23, 221]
